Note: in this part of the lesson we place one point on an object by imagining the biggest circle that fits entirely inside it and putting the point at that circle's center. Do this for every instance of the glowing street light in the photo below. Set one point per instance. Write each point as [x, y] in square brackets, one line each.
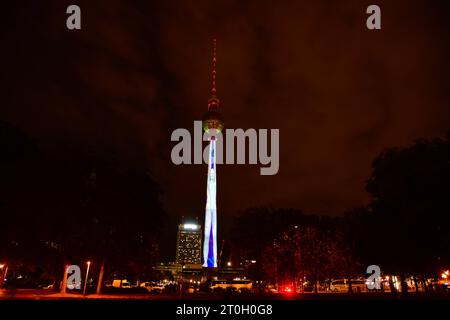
[229, 264]
[3, 274]
[85, 281]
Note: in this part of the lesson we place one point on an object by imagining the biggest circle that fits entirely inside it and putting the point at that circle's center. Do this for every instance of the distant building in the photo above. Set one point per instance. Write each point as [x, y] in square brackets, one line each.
[189, 244]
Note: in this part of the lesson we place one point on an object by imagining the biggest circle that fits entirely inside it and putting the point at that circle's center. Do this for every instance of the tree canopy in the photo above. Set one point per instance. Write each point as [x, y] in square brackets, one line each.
[66, 203]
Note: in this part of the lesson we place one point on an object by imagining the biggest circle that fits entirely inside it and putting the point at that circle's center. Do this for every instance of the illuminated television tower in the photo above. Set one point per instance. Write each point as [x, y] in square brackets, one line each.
[212, 123]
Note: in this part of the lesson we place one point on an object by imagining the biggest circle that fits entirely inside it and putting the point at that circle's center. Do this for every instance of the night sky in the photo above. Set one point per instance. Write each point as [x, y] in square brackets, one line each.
[137, 70]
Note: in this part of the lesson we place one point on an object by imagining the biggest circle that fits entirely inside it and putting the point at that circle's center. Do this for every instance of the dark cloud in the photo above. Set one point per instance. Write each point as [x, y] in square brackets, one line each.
[137, 70]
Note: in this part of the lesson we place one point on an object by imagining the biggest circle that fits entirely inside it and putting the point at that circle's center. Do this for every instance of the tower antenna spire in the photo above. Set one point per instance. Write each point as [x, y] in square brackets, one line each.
[214, 71]
[213, 102]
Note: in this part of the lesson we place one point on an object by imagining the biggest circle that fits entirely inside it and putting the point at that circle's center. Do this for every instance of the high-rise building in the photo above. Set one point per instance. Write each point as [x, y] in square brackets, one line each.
[189, 244]
[212, 124]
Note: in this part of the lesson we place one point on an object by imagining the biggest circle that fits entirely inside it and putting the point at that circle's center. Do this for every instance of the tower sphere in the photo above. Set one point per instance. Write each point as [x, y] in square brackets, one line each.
[212, 120]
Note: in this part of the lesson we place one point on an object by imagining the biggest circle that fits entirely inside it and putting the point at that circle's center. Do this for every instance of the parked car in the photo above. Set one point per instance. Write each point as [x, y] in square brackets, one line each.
[125, 284]
[153, 287]
[341, 285]
[234, 285]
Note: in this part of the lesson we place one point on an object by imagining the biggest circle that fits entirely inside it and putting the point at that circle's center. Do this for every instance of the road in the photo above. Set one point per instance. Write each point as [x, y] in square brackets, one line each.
[34, 294]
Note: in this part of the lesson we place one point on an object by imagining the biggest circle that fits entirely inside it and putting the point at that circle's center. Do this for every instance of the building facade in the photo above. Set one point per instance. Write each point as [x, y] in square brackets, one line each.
[189, 244]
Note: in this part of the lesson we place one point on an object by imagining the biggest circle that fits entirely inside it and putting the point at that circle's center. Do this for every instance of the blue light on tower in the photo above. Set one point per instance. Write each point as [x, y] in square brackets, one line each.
[212, 123]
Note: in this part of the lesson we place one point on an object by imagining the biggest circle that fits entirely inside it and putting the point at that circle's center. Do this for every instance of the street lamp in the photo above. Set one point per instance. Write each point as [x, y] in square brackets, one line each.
[3, 272]
[85, 281]
[1, 275]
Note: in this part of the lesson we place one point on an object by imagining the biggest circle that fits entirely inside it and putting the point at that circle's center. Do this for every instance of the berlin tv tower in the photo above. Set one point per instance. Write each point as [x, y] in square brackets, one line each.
[213, 124]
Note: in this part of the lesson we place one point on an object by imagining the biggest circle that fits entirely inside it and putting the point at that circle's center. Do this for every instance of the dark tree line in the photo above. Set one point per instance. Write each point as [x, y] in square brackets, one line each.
[404, 229]
[410, 209]
[66, 204]
[290, 246]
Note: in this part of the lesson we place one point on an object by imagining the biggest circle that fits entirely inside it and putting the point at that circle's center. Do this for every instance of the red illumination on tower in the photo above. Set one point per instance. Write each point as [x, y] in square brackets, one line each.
[213, 102]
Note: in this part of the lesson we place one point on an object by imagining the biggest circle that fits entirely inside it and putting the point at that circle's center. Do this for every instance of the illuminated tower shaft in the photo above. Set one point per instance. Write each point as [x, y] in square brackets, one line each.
[212, 124]
[210, 240]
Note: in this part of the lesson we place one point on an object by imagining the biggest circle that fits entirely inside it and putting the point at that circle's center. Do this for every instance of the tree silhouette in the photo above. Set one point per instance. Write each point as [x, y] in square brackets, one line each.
[410, 190]
[67, 203]
[290, 246]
